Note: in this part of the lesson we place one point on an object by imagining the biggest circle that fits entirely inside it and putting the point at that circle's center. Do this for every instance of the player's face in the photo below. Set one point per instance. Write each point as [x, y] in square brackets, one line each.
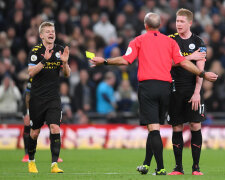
[183, 25]
[48, 34]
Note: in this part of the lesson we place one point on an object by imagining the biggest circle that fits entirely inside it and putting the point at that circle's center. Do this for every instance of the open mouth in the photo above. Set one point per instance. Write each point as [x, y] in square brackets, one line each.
[51, 38]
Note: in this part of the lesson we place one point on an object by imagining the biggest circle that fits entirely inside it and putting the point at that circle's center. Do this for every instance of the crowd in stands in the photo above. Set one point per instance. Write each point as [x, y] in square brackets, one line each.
[104, 27]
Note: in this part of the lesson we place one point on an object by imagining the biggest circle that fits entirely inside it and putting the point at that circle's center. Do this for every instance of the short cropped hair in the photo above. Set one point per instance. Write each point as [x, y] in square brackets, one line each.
[45, 24]
[152, 20]
[185, 12]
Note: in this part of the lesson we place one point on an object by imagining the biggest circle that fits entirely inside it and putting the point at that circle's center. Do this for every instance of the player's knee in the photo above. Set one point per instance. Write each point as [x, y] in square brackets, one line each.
[178, 128]
[54, 128]
[34, 134]
[195, 126]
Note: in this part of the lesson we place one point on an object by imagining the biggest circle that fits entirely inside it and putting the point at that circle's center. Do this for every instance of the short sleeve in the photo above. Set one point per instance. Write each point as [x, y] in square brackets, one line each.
[176, 53]
[132, 51]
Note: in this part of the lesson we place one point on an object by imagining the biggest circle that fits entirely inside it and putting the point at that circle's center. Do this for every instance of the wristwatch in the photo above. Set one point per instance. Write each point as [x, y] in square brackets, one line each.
[202, 74]
[106, 61]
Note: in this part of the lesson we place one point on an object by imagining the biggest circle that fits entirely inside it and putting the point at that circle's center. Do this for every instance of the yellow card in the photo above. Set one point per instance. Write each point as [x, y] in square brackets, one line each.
[90, 54]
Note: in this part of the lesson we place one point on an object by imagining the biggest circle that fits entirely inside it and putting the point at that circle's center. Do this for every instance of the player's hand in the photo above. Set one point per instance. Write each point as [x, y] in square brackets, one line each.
[65, 55]
[97, 61]
[47, 54]
[197, 55]
[195, 100]
[26, 119]
[210, 76]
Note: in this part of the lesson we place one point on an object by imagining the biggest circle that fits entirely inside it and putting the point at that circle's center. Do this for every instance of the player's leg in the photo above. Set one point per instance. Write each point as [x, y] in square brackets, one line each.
[175, 118]
[32, 144]
[157, 146]
[196, 144]
[178, 143]
[26, 134]
[55, 147]
[37, 112]
[53, 118]
[143, 169]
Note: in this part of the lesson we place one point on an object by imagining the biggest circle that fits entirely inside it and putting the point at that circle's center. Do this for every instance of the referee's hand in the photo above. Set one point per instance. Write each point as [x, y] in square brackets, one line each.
[210, 76]
[97, 61]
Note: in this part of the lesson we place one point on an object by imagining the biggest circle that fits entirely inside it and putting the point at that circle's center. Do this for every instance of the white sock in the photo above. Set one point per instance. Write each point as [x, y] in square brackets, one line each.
[31, 160]
[53, 163]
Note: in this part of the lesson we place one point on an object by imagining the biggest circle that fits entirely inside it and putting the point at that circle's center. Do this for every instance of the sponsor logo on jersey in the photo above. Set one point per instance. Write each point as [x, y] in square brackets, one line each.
[129, 51]
[191, 46]
[33, 58]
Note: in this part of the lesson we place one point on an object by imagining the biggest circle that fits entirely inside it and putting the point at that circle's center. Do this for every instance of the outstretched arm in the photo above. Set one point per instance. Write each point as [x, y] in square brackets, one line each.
[111, 61]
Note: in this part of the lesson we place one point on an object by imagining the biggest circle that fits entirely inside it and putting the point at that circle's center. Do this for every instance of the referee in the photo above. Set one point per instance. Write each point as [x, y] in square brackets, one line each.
[156, 53]
[45, 62]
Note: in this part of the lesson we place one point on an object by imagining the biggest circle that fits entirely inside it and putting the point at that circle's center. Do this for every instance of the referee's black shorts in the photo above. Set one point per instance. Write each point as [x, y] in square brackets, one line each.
[44, 110]
[153, 96]
[180, 110]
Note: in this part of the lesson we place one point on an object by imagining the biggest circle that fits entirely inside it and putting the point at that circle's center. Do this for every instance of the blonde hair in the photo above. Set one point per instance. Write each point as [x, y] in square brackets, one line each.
[185, 12]
[45, 24]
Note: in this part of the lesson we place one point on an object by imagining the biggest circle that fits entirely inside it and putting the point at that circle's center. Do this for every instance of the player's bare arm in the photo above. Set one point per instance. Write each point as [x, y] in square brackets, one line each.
[111, 61]
[196, 98]
[64, 57]
[33, 70]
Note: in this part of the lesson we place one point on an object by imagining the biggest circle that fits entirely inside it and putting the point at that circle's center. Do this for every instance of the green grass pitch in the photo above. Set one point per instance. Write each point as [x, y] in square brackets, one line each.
[108, 164]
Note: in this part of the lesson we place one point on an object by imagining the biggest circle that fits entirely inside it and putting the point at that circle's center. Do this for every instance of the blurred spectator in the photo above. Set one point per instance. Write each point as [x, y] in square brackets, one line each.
[105, 29]
[9, 96]
[126, 98]
[131, 15]
[66, 103]
[74, 76]
[211, 101]
[106, 102]
[82, 98]
[203, 17]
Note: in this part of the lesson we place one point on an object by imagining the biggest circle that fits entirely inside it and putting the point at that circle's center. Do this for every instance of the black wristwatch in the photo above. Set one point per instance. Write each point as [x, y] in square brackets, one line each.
[106, 61]
[202, 74]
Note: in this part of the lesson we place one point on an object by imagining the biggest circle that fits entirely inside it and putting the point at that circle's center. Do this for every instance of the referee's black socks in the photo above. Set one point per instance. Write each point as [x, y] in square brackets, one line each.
[32, 144]
[196, 145]
[157, 148]
[55, 146]
[149, 153]
[26, 134]
[178, 143]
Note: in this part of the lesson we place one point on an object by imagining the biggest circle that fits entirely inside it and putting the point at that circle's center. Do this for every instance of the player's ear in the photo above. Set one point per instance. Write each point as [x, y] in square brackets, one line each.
[41, 36]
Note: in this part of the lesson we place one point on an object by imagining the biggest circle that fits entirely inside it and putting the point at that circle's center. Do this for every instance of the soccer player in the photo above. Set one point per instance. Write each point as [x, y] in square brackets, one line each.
[26, 119]
[186, 99]
[45, 62]
[155, 52]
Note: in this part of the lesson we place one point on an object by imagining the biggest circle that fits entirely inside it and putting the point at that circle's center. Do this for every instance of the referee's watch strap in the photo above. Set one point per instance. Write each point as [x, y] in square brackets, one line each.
[106, 62]
[202, 74]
